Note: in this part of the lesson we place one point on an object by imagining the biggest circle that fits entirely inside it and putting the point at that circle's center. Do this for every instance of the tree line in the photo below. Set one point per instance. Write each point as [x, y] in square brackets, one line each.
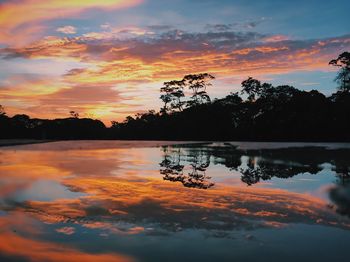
[260, 112]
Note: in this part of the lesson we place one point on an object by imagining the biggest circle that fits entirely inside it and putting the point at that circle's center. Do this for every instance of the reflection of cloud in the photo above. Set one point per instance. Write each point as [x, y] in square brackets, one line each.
[110, 228]
[19, 182]
[123, 198]
[19, 241]
[35, 250]
[66, 230]
[175, 208]
[123, 202]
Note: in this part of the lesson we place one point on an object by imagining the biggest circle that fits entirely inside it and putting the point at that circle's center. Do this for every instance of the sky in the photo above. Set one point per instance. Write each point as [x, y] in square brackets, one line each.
[107, 59]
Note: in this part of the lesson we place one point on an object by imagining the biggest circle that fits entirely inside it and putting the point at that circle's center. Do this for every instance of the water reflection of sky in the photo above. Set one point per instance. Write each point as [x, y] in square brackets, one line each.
[110, 202]
[44, 190]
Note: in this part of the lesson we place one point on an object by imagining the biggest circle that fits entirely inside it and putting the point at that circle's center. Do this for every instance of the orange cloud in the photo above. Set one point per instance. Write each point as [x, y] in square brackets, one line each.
[129, 70]
[17, 17]
[261, 49]
[36, 250]
[67, 29]
[276, 38]
[20, 239]
[161, 57]
[66, 230]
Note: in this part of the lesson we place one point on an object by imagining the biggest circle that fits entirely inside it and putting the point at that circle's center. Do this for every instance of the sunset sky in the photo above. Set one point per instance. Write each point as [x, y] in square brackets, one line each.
[107, 59]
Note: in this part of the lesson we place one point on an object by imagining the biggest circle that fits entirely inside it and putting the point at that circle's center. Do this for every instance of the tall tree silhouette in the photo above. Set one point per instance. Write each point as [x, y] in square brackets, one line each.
[198, 84]
[172, 92]
[343, 77]
[251, 87]
[255, 89]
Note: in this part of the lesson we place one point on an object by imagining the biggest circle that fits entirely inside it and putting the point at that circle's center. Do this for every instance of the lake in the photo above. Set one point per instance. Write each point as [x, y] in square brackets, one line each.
[164, 201]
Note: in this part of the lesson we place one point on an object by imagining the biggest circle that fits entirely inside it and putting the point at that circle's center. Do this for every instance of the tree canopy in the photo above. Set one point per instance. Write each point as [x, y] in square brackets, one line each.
[343, 77]
[172, 92]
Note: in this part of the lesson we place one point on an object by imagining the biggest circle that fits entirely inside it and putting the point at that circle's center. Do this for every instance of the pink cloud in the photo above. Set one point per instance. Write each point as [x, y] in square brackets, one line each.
[21, 16]
[67, 29]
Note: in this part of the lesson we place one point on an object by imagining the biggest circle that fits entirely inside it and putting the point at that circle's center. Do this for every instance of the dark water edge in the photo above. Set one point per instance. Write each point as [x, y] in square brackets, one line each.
[15, 142]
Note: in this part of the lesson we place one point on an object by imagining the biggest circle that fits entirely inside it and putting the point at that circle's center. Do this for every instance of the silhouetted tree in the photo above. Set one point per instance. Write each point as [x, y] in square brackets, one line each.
[343, 77]
[129, 119]
[2, 111]
[251, 87]
[74, 114]
[198, 84]
[232, 99]
[172, 94]
[114, 124]
[22, 120]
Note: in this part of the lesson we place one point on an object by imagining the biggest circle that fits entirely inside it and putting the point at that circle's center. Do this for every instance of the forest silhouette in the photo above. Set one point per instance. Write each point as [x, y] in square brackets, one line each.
[260, 112]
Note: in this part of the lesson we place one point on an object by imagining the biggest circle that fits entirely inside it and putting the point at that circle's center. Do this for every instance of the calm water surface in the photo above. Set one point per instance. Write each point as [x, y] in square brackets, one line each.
[136, 201]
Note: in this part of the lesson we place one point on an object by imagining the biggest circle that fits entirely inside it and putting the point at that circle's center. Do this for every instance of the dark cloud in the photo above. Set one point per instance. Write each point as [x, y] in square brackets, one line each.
[141, 56]
[87, 48]
[75, 71]
[160, 27]
[219, 27]
[253, 24]
[234, 26]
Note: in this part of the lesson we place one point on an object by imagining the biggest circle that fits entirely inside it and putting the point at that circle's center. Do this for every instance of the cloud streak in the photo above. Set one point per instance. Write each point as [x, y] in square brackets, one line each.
[69, 30]
[218, 52]
[18, 18]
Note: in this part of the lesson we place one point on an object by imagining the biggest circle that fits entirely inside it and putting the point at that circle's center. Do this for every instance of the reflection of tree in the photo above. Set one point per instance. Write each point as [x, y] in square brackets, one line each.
[253, 165]
[171, 167]
[343, 173]
[261, 165]
[266, 169]
[340, 194]
[173, 170]
[264, 164]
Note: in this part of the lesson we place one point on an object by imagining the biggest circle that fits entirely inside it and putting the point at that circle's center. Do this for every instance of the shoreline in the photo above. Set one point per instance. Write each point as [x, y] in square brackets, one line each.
[18, 142]
[87, 144]
[38, 144]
